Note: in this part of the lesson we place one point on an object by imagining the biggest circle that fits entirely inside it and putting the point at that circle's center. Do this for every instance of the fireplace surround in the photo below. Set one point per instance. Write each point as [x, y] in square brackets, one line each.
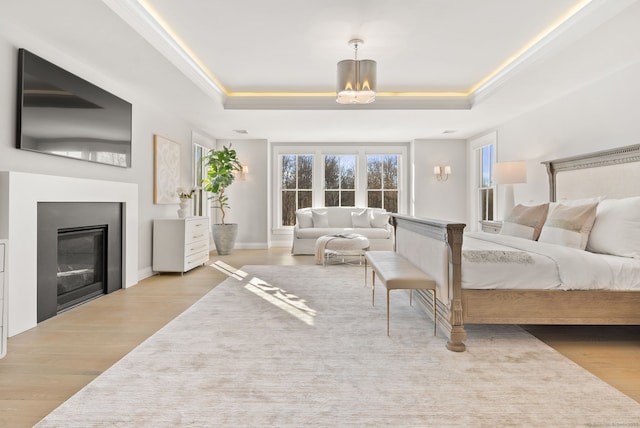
[79, 253]
[20, 193]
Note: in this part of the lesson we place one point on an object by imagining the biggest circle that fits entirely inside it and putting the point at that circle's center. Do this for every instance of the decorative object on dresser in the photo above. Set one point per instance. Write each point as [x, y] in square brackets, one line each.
[185, 196]
[222, 165]
[3, 298]
[180, 244]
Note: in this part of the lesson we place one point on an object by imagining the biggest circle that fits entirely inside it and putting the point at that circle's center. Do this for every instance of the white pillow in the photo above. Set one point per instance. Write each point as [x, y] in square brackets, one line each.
[616, 230]
[525, 222]
[304, 219]
[569, 225]
[379, 219]
[320, 219]
[361, 219]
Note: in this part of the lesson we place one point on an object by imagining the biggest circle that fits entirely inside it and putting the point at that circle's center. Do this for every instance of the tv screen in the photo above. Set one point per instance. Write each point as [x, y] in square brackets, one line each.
[61, 114]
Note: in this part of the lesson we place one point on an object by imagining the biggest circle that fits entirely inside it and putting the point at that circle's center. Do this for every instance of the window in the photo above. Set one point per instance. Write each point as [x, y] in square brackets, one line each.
[382, 182]
[340, 180]
[296, 185]
[333, 174]
[486, 189]
[199, 173]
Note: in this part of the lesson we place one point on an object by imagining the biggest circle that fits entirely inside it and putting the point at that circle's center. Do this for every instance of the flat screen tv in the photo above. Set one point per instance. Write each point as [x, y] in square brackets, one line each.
[61, 114]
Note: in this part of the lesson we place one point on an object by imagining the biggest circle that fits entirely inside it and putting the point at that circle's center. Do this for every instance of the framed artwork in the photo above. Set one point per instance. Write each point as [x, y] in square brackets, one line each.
[166, 170]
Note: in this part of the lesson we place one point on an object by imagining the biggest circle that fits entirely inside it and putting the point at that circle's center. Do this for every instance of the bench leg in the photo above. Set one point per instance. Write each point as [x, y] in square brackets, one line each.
[373, 287]
[387, 312]
[365, 271]
[435, 313]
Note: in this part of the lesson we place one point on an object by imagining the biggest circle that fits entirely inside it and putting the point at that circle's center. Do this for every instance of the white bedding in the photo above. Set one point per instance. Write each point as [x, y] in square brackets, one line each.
[492, 261]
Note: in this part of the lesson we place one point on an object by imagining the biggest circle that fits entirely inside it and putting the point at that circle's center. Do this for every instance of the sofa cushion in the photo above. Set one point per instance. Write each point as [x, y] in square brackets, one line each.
[320, 219]
[304, 219]
[379, 218]
[360, 219]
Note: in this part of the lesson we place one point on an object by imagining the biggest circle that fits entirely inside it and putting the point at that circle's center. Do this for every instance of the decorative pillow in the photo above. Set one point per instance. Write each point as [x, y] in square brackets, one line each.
[379, 219]
[575, 202]
[569, 225]
[304, 219]
[320, 219]
[616, 230]
[361, 219]
[525, 222]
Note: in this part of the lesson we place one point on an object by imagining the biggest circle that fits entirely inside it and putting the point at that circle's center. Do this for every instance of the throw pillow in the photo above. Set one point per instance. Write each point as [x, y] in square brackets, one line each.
[304, 219]
[379, 219]
[525, 221]
[361, 219]
[616, 230]
[569, 225]
[320, 219]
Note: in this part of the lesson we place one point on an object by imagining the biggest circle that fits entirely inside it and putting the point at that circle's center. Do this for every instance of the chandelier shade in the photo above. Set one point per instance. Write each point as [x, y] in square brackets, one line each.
[356, 79]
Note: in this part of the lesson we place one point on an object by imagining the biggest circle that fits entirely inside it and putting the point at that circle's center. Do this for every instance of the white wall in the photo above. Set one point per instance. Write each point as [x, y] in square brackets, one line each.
[444, 200]
[600, 116]
[248, 196]
[142, 80]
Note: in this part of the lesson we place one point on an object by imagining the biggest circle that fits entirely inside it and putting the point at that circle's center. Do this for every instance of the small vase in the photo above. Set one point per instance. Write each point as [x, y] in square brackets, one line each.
[185, 207]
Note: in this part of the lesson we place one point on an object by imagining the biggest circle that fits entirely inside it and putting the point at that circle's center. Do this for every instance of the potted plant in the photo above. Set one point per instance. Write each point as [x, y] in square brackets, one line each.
[222, 164]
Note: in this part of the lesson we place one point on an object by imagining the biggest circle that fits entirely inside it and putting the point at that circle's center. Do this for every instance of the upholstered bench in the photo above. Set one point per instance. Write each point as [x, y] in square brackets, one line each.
[398, 273]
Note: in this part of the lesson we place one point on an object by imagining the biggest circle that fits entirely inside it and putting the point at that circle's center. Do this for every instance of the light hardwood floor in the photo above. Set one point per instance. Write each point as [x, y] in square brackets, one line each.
[49, 363]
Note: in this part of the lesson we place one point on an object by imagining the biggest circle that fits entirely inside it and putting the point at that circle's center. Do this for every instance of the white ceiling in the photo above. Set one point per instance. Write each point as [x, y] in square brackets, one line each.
[442, 53]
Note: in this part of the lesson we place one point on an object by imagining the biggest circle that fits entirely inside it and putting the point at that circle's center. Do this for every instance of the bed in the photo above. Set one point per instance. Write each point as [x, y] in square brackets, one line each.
[503, 279]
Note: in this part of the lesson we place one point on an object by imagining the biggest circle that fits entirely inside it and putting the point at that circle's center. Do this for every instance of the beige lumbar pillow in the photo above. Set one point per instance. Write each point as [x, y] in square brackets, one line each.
[569, 225]
[525, 221]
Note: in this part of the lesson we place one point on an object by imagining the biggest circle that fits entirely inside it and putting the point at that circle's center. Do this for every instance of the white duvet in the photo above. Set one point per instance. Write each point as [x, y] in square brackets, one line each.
[491, 261]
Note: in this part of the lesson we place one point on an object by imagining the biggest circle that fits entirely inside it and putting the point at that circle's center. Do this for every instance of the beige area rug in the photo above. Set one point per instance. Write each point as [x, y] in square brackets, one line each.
[296, 346]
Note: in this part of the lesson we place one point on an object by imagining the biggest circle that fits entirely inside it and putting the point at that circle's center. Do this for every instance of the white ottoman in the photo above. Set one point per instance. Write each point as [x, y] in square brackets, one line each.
[341, 246]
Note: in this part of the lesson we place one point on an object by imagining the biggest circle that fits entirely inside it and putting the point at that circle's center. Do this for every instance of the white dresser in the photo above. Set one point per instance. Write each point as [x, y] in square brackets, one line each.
[180, 244]
[3, 297]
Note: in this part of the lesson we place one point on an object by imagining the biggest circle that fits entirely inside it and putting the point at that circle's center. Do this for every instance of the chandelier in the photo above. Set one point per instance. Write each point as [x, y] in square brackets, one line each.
[356, 79]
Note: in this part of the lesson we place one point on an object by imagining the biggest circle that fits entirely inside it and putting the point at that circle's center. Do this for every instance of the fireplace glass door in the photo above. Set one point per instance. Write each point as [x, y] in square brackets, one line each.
[81, 261]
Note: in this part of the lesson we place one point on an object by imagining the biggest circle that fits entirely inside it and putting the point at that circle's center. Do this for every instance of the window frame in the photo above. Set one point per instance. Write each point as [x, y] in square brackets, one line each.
[475, 178]
[318, 151]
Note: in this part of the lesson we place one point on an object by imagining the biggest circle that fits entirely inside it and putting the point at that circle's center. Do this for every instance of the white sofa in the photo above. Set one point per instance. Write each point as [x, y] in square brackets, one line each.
[312, 223]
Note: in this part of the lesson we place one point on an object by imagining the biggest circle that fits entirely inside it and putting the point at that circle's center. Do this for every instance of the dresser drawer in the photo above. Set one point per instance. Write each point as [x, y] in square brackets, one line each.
[195, 260]
[196, 230]
[197, 247]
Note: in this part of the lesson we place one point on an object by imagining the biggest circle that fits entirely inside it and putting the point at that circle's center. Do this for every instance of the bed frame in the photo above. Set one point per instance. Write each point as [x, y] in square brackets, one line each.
[612, 173]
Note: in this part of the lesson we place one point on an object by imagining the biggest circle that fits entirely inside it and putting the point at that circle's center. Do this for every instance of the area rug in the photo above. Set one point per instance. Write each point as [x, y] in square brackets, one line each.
[295, 346]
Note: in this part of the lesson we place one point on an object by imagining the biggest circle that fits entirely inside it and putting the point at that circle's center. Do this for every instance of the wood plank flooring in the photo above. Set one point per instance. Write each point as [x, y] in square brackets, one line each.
[49, 363]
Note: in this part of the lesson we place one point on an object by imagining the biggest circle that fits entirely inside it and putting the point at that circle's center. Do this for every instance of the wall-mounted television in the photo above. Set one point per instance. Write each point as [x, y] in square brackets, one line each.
[62, 114]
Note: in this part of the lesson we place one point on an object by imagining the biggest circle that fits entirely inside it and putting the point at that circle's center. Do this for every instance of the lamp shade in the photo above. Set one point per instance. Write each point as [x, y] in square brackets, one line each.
[356, 81]
[510, 172]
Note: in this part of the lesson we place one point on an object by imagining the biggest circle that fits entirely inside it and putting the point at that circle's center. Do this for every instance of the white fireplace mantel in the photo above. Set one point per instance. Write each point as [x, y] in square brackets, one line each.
[19, 196]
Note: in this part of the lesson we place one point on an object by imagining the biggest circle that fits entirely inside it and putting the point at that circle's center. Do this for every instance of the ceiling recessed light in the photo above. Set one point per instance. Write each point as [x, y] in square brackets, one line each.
[449, 131]
[240, 131]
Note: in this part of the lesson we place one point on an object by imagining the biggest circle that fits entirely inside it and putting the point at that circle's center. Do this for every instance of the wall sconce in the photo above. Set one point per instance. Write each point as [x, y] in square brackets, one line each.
[442, 172]
[244, 172]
